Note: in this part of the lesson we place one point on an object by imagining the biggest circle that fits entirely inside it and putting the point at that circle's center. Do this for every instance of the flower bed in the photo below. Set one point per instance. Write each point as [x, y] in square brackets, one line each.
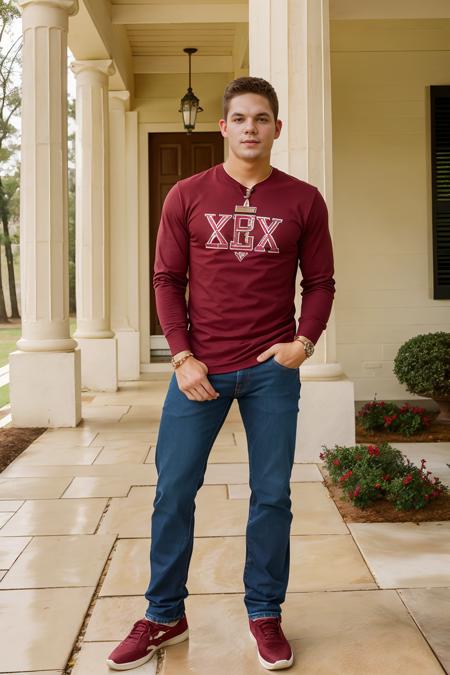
[406, 420]
[368, 474]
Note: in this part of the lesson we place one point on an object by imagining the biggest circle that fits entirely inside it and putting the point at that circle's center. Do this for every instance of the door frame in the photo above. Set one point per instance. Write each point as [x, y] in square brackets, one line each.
[156, 341]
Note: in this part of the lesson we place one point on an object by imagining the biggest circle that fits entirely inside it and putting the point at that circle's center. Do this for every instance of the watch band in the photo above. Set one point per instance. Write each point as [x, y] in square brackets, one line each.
[308, 345]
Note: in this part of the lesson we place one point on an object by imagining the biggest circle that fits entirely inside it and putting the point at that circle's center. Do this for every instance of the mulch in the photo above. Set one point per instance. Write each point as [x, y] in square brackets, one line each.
[14, 440]
[383, 511]
[436, 433]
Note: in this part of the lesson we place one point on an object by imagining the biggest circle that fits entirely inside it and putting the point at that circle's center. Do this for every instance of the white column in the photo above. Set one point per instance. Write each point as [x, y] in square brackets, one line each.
[45, 372]
[290, 47]
[94, 335]
[124, 234]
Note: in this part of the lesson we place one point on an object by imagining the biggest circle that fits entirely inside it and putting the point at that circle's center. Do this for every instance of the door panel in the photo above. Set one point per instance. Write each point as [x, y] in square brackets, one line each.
[174, 156]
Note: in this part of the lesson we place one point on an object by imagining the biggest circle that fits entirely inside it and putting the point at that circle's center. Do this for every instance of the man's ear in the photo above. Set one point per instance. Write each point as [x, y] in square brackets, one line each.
[223, 127]
[278, 127]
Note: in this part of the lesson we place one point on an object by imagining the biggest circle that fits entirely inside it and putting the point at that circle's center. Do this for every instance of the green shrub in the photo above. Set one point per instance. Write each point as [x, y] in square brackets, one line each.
[423, 364]
[369, 473]
[381, 415]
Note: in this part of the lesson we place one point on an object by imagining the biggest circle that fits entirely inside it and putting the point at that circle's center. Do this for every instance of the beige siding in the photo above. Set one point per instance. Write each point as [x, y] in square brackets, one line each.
[382, 196]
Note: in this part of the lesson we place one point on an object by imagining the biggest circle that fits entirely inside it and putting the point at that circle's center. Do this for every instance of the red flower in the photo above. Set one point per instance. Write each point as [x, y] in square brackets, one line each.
[377, 485]
[336, 462]
[357, 491]
[386, 476]
[407, 479]
[373, 450]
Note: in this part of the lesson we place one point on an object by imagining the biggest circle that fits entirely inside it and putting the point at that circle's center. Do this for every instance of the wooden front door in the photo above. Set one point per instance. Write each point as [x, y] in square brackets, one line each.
[173, 156]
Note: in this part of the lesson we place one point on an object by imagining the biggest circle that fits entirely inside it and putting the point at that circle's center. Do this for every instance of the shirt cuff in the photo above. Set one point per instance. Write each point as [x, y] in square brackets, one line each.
[178, 343]
[311, 329]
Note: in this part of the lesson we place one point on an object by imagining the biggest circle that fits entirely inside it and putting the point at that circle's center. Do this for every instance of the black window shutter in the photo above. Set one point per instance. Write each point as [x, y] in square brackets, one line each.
[440, 176]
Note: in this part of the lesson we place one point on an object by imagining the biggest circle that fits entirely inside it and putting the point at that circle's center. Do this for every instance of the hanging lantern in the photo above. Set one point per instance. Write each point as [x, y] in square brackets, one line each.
[190, 103]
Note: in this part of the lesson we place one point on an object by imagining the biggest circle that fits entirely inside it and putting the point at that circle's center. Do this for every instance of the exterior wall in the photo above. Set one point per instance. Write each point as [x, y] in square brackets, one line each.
[382, 193]
[157, 97]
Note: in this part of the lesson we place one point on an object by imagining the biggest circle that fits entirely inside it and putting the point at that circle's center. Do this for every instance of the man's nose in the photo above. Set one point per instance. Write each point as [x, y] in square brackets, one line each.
[250, 125]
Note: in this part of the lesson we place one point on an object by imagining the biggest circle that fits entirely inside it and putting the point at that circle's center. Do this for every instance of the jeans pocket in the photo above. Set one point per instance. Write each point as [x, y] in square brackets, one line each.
[280, 365]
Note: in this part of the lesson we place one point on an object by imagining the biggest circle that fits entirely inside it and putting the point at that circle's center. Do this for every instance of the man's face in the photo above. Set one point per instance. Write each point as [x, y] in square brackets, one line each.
[250, 127]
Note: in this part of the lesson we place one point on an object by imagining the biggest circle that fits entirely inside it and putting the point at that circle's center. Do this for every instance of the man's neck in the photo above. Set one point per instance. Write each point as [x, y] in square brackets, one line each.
[247, 173]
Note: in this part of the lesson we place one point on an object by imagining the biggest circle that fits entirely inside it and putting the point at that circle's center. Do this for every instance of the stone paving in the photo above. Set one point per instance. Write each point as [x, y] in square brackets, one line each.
[75, 513]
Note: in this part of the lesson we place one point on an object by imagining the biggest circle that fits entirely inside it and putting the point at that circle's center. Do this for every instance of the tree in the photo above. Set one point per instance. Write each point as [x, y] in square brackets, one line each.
[9, 105]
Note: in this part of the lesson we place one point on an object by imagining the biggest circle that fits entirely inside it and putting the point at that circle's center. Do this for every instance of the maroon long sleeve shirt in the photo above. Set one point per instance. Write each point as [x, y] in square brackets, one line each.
[241, 267]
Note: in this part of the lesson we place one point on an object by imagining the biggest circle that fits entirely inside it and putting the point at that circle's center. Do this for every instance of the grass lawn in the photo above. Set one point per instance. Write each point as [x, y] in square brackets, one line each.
[8, 338]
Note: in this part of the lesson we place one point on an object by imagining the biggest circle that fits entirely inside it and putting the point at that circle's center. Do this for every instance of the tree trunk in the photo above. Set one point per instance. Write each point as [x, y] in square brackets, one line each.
[4, 219]
[3, 315]
[11, 274]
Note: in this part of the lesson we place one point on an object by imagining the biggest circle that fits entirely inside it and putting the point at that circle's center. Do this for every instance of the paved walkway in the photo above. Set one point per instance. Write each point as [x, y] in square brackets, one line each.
[74, 545]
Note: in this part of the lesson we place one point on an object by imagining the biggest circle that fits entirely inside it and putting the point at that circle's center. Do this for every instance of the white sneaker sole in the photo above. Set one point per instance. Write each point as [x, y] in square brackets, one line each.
[134, 664]
[278, 665]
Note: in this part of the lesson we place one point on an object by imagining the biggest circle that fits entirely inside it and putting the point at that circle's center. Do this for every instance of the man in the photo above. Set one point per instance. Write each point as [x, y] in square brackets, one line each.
[239, 229]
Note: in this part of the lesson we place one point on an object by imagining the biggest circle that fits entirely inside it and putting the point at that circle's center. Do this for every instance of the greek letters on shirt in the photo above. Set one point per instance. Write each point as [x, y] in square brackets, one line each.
[243, 239]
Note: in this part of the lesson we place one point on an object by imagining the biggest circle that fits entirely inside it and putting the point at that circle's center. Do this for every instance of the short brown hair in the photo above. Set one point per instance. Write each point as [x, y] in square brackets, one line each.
[250, 85]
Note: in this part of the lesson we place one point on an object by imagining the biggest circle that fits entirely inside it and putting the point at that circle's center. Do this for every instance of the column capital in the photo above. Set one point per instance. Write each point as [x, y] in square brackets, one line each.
[103, 67]
[119, 100]
[71, 6]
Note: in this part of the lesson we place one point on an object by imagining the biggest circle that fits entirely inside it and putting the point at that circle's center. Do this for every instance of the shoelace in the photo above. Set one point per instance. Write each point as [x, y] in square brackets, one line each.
[270, 628]
[140, 628]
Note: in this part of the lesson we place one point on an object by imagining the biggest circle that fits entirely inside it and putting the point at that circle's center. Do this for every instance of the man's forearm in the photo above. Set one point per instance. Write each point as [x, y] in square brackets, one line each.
[172, 310]
[316, 308]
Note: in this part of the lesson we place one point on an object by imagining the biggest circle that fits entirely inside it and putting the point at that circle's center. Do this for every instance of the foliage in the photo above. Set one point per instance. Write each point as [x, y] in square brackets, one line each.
[10, 101]
[9, 90]
[370, 473]
[380, 415]
[423, 364]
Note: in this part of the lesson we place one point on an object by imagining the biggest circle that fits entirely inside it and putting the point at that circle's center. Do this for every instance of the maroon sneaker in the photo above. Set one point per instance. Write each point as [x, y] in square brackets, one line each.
[144, 639]
[274, 651]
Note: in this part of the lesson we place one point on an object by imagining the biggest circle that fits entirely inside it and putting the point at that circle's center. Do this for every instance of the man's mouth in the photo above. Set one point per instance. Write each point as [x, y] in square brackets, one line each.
[250, 142]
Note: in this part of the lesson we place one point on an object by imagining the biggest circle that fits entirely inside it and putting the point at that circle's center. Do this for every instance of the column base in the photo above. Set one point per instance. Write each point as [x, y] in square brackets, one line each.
[327, 416]
[98, 364]
[128, 342]
[45, 388]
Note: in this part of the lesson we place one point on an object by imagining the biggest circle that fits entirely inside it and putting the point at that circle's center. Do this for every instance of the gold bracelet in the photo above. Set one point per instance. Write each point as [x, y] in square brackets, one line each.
[179, 362]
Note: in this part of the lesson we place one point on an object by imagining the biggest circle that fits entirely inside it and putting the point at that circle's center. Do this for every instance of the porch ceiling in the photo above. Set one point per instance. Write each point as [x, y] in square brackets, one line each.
[158, 32]
[211, 39]
[159, 49]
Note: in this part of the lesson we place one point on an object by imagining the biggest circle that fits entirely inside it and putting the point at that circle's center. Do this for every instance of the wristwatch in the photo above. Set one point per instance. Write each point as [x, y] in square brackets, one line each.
[176, 364]
[309, 346]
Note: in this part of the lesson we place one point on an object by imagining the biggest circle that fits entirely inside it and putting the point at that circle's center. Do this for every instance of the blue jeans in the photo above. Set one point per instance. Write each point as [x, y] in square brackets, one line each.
[268, 397]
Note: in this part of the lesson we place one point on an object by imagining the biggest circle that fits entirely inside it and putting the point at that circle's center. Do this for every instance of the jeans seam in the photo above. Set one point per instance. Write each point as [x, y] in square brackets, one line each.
[165, 620]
